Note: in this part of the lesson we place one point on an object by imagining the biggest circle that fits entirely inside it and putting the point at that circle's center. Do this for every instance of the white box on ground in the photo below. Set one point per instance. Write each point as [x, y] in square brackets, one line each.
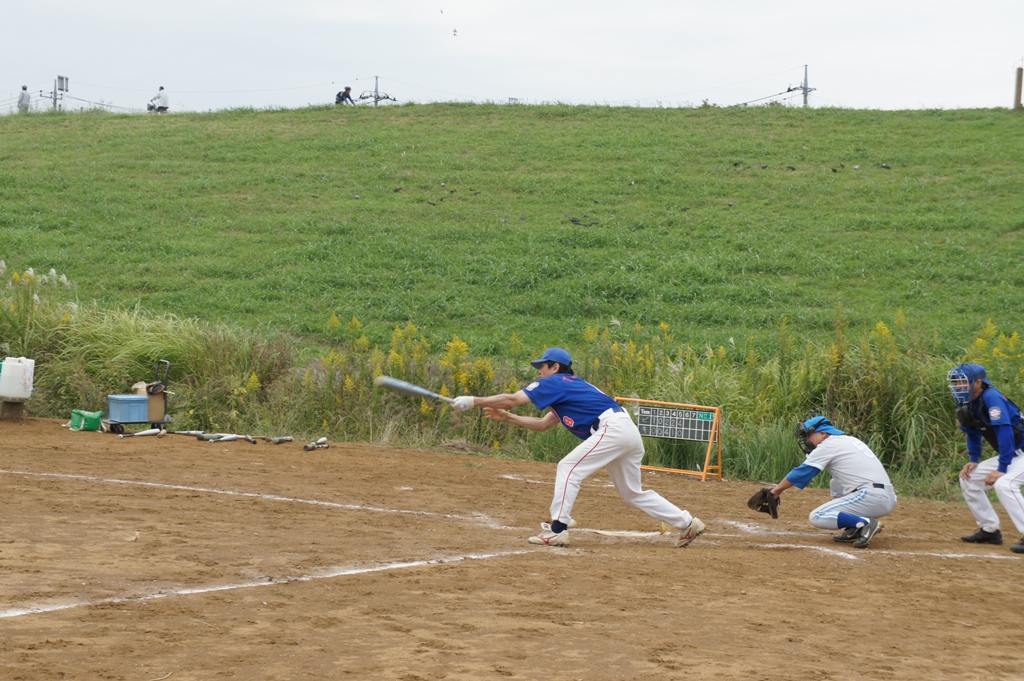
[16, 376]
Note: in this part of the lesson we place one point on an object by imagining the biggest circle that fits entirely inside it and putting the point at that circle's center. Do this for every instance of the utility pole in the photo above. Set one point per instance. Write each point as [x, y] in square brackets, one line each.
[59, 85]
[1016, 93]
[376, 95]
[806, 89]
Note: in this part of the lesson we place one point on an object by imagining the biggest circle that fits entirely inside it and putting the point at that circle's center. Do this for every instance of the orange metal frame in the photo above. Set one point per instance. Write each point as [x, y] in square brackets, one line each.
[713, 470]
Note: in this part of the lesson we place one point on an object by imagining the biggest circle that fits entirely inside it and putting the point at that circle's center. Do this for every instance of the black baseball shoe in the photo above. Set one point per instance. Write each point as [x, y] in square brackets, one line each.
[847, 535]
[867, 533]
[983, 537]
[1018, 547]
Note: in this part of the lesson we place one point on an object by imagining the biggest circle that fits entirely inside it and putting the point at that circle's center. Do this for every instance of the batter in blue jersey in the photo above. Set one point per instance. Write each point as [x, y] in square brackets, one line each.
[577, 404]
[610, 441]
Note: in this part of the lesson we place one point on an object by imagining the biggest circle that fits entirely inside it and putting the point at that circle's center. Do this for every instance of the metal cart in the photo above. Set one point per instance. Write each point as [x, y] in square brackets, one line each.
[157, 387]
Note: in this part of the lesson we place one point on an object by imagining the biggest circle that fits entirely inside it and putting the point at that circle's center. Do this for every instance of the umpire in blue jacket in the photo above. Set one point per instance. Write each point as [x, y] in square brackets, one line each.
[986, 415]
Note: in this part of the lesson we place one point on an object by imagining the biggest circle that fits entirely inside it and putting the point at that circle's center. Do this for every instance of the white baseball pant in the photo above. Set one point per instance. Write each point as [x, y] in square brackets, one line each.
[616, 446]
[1007, 489]
[867, 502]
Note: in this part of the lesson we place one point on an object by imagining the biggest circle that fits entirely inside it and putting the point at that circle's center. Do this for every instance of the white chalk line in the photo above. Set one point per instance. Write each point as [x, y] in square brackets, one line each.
[752, 528]
[476, 518]
[549, 483]
[933, 554]
[515, 476]
[324, 574]
[822, 549]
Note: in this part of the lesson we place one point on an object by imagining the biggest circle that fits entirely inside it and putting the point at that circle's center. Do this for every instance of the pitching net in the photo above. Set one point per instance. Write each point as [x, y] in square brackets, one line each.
[674, 421]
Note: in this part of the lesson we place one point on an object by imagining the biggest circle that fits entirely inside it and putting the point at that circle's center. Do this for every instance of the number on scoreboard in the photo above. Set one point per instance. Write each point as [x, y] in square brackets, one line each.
[675, 424]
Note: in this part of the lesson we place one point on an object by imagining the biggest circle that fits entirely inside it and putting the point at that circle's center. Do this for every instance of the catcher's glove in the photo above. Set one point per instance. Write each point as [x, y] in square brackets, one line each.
[765, 502]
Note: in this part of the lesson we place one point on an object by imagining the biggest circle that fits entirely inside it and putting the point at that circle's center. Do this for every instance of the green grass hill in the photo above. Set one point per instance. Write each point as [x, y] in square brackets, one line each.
[484, 220]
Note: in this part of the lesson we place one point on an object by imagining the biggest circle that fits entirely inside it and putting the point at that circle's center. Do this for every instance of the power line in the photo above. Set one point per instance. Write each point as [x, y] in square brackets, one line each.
[211, 92]
[109, 106]
[423, 87]
[719, 87]
[784, 92]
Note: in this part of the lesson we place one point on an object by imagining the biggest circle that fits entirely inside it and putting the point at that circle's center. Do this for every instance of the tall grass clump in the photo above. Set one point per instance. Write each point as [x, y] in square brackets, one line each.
[334, 393]
[217, 372]
[886, 387]
[33, 309]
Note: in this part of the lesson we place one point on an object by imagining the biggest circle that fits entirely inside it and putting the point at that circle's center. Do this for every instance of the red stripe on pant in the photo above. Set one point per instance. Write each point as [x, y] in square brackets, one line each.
[569, 475]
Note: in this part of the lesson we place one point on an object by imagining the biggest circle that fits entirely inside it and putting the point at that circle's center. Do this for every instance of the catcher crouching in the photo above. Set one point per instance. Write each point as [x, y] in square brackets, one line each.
[861, 490]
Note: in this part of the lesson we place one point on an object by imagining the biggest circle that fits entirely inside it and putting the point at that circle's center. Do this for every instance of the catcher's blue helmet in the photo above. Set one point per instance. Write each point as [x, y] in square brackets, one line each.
[814, 424]
[961, 381]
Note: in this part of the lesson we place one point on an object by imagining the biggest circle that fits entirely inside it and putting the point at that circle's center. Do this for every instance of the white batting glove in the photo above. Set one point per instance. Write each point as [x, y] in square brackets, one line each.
[463, 403]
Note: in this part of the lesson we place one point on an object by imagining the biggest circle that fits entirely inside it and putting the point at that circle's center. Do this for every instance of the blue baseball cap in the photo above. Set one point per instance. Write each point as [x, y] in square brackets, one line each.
[553, 355]
[975, 372]
[821, 424]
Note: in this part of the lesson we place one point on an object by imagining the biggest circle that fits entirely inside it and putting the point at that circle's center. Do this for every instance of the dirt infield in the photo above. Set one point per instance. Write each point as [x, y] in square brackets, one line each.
[148, 559]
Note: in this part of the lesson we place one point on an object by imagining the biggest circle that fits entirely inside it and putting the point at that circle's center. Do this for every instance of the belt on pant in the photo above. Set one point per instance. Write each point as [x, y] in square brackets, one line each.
[617, 409]
[878, 485]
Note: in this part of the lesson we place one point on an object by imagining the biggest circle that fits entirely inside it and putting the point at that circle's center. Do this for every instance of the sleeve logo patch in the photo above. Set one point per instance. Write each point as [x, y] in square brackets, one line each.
[568, 421]
[532, 386]
[994, 413]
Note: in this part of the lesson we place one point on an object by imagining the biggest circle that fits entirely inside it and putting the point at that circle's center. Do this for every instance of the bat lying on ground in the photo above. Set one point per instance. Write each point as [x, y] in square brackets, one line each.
[408, 388]
[319, 444]
[274, 440]
[142, 433]
[224, 437]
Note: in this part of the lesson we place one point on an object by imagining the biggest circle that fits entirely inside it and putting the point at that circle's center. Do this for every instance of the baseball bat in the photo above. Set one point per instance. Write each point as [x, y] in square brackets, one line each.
[230, 437]
[274, 440]
[142, 433]
[408, 388]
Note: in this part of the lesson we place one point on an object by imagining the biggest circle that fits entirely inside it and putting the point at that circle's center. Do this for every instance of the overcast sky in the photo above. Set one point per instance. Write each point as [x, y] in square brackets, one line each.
[215, 54]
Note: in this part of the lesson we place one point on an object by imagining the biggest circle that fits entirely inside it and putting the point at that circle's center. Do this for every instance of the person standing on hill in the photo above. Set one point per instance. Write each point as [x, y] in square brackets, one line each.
[986, 414]
[345, 97]
[610, 440]
[161, 102]
[861, 490]
[24, 99]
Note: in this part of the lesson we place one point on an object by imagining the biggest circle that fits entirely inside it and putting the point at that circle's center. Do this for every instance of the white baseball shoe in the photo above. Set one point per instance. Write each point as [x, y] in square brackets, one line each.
[549, 538]
[687, 534]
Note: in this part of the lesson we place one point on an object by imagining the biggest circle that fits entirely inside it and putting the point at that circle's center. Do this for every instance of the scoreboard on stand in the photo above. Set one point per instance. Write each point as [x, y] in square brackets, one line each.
[672, 421]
